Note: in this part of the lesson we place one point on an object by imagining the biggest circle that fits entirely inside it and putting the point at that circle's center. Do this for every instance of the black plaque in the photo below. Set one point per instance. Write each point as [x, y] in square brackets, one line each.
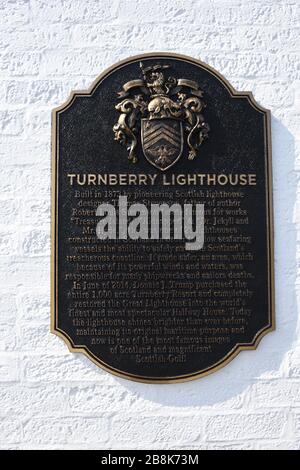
[162, 128]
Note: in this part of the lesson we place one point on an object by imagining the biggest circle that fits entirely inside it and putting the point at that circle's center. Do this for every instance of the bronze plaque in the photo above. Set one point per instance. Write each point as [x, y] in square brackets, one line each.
[162, 244]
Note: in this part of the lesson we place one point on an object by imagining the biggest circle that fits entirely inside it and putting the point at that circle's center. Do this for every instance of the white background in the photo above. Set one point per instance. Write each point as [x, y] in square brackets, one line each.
[51, 398]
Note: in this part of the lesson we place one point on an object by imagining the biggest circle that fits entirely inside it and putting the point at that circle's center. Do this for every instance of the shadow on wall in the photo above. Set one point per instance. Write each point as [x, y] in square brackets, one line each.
[269, 359]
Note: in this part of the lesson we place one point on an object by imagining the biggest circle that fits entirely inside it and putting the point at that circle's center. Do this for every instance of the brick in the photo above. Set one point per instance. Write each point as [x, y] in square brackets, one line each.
[57, 446]
[19, 63]
[9, 211]
[280, 445]
[14, 12]
[275, 393]
[11, 447]
[89, 35]
[24, 272]
[70, 430]
[16, 92]
[249, 64]
[153, 12]
[45, 92]
[82, 61]
[37, 37]
[34, 305]
[254, 13]
[11, 122]
[8, 336]
[36, 243]
[60, 368]
[290, 119]
[8, 242]
[9, 368]
[38, 123]
[36, 183]
[2, 95]
[228, 39]
[22, 399]
[47, 11]
[24, 151]
[263, 363]
[96, 398]
[141, 429]
[231, 446]
[8, 306]
[245, 426]
[52, 35]
[11, 181]
[296, 423]
[35, 212]
[42, 92]
[37, 338]
[72, 11]
[204, 398]
[294, 363]
[10, 430]
[275, 94]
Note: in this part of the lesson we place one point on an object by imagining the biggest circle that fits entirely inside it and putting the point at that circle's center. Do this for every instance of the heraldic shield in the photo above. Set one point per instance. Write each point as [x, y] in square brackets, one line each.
[162, 141]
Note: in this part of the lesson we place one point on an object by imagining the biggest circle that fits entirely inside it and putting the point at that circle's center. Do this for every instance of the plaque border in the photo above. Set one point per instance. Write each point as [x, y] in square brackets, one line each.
[270, 225]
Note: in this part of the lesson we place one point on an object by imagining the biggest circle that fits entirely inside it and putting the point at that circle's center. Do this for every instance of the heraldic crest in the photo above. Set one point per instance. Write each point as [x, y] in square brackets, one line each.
[161, 112]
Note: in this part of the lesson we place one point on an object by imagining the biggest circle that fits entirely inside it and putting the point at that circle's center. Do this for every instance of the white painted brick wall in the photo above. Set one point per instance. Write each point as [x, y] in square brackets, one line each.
[53, 399]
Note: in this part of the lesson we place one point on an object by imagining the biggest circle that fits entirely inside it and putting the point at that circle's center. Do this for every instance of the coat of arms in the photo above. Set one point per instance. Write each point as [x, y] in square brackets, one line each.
[159, 112]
